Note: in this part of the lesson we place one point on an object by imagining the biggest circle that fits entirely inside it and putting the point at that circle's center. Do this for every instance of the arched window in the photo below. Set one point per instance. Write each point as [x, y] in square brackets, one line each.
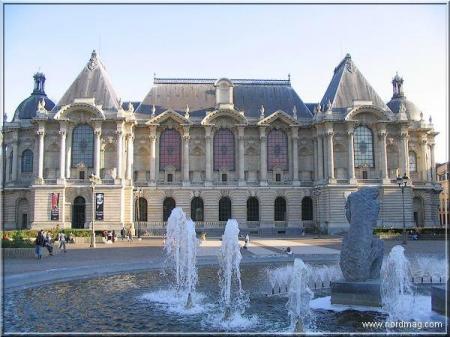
[307, 208]
[140, 210]
[277, 150]
[170, 149]
[197, 209]
[83, 146]
[224, 209]
[224, 150]
[168, 206]
[363, 147]
[27, 161]
[412, 161]
[280, 209]
[252, 209]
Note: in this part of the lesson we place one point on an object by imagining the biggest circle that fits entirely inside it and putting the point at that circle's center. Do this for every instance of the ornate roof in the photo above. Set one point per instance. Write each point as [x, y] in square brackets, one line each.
[349, 85]
[200, 95]
[92, 82]
[28, 107]
[399, 101]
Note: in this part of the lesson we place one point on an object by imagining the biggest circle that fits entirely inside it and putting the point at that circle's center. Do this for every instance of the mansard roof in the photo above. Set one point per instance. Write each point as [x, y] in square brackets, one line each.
[92, 82]
[348, 85]
[200, 95]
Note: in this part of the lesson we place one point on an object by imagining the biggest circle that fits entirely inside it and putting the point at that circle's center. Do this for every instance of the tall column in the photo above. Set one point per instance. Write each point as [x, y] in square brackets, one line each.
[152, 156]
[351, 155]
[41, 134]
[263, 156]
[241, 155]
[423, 147]
[130, 154]
[62, 152]
[433, 163]
[383, 162]
[97, 146]
[315, 159]
[208, 167]
[119, 154]
[330, 155]
[294, 136]
[15, 155]
[320, 156]
[404, 153]
[186, 138]
[68, 151]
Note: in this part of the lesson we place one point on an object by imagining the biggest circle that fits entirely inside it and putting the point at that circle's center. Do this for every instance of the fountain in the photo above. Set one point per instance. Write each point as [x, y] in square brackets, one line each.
[396, 287]
[181, 249]
[299, 296]
[230, 259]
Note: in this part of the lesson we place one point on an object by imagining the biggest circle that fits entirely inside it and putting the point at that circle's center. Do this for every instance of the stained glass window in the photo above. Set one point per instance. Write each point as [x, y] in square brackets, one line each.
[197, 209]
[27, 161]
[277, 150]
[280, 209]
[252, 209]
[224, 209]
[83, 146]
[412, 161]
[363, 147]
[170, 149]
[307, 208]
[224, 150]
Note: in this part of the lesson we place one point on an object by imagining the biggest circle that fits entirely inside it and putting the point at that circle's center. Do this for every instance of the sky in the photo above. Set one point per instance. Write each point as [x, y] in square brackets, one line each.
[236, 41]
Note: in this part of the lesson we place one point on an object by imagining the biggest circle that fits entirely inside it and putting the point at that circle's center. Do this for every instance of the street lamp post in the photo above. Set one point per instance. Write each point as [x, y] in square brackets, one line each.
[402, 182]
[94, 180]
[316, 193]
[138, 211]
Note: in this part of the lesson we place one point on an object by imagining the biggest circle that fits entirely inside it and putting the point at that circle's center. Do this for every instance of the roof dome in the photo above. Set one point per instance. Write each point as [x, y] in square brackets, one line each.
[27, 109]
[399, 102]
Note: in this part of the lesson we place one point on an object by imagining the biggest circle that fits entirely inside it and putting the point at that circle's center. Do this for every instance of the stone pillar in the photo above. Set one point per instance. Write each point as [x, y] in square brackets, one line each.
[41, 134]
[315, 159]
[62, 152]
[208, 166]
[130, 155]
[15, 148]
[153, 156]
[241, 155]
[320, 156]
[433, 163]
[186, 138]
[119, 154]
[263, 156]
[423, 148]
[330, 155]
[294, 136]
[383, 162]
[351, 155]
[68, 151]
[404, 153]
[97, 146]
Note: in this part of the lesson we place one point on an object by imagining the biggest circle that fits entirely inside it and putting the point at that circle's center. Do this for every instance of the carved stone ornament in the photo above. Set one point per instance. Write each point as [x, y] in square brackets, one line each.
[93, 61]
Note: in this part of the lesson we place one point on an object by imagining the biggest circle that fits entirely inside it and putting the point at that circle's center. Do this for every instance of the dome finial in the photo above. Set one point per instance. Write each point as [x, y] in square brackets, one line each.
[93, 61]
[39, 81]
[397, 86]
[261, 112]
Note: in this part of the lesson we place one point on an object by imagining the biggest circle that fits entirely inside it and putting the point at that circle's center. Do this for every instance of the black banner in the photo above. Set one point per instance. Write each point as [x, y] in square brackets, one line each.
[99, 202]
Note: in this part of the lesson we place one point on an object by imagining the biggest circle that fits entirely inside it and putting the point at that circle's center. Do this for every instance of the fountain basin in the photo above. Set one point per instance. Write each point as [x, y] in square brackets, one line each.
[438, 299]
[367, 293]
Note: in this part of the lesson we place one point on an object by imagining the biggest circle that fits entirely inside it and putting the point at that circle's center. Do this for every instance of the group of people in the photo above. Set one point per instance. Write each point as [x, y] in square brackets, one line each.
[44, 240]
[126, 233]
[108, 236]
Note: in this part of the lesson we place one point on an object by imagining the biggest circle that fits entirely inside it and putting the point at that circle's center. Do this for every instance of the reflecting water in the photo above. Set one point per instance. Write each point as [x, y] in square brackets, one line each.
[142, 302]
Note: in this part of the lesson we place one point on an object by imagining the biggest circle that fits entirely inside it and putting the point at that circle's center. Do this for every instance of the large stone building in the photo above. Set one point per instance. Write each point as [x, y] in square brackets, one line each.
[443, 177]
[247, 149]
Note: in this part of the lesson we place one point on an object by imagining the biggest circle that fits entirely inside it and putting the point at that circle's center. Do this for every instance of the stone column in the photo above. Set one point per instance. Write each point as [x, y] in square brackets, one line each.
[330, 155]
[404, 153]
[383, 162]
[97, 146]
[351, 155]
[433, 163]
[130, 156]
[41, 134]
[315, 159]
[320, 156]
[241, 156]
[68, 151]
[294, 136]
[119, 154]
[423, 147]
[15, 147]
[62, 152]
[208, 166]
[263, 156]
[152, 138]
[186, 138]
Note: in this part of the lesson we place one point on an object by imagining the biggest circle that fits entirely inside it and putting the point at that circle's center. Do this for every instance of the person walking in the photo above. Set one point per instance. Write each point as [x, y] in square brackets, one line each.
[48, 244]
[122, 232]
[39, 244]
[62, 241]
[113, 236]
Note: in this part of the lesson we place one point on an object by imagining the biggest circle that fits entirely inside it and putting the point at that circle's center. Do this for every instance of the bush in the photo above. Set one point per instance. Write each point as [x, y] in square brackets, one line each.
[17, 244]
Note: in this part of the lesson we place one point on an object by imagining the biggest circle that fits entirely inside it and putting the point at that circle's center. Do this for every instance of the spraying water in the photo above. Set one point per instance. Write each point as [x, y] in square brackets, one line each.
[396, 288]
[230, 259]
[299, 296]
[181, 250]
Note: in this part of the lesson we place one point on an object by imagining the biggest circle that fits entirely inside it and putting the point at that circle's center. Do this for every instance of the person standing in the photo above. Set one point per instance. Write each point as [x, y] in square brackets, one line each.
[62, 241]
[39, 244]
[113, 236]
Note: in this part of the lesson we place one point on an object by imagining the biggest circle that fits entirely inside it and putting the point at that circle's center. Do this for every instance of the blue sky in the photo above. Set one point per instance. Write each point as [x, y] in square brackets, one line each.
[236, 41]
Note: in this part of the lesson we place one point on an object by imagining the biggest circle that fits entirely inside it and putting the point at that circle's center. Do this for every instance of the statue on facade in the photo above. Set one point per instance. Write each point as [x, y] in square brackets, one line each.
[362, 252]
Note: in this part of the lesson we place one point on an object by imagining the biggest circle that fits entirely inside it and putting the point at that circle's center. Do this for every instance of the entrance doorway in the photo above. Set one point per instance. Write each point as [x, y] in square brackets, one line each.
[418, 212]
[22, 214]
[78, 212]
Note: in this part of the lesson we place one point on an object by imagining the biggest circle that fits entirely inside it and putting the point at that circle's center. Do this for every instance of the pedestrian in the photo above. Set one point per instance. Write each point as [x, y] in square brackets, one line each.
[39, 244]
[48, 244]
[246, 241]
[62, 241]
[122, 232]
[288, 251]
[130, 237]
[113, 236]
[247, 238]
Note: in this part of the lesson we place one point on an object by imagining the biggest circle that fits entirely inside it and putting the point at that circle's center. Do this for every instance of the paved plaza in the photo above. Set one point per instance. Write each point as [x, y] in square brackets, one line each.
[83, 261]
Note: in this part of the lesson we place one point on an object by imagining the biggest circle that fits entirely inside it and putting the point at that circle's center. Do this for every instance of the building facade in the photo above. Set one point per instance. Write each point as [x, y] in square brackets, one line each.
[246, 149]
[443, 177]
